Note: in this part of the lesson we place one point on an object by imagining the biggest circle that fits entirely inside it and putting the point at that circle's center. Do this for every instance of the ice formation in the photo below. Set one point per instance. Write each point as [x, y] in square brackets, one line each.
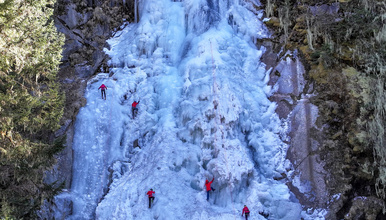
[204, 112]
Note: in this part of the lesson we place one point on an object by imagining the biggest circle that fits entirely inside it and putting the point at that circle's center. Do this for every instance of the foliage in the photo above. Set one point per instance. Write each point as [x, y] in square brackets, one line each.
[353, 33]
[30, 103]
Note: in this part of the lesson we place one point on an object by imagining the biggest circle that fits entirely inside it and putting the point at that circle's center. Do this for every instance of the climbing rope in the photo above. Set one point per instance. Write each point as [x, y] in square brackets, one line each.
[138, 70]
[217, 118]
[103, 175]
[107, 145]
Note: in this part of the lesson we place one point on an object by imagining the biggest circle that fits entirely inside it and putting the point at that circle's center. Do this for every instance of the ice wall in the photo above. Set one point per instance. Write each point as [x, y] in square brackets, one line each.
[203, 113]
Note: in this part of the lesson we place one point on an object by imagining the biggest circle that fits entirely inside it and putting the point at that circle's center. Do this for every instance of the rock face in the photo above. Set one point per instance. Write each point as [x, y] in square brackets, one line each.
[330, 144]
[293, 93]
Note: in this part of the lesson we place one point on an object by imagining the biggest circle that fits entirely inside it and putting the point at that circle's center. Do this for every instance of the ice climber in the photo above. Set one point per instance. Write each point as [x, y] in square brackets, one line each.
[246, 211]
[103, 90]
[208, 188]
[134, 108]
[151, 197]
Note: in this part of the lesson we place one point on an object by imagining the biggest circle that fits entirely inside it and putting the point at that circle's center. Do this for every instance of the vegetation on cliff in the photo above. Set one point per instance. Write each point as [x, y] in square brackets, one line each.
[31, 104]
[343, 45]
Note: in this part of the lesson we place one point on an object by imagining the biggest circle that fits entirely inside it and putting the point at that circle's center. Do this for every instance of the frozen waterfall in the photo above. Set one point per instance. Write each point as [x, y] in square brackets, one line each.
[204, 112]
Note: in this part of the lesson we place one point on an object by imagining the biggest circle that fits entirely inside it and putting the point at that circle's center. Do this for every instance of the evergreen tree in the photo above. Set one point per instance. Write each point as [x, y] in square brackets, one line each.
[30, 103]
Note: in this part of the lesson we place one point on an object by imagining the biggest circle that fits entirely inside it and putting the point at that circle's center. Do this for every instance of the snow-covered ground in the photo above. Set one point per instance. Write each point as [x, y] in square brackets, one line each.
[204, 112]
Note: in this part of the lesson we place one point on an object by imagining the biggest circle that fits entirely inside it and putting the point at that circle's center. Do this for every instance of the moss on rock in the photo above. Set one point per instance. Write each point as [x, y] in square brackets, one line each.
[347, 64]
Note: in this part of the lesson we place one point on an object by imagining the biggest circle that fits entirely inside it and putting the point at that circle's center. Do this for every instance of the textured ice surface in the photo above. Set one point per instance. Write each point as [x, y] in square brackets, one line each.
[203, 113]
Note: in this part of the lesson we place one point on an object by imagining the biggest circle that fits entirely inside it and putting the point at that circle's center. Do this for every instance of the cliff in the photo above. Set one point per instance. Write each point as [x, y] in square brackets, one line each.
[329, 89]
[342, 56]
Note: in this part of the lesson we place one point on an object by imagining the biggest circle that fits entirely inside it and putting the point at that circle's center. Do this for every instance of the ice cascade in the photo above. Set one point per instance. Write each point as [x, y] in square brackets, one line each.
[204, 113]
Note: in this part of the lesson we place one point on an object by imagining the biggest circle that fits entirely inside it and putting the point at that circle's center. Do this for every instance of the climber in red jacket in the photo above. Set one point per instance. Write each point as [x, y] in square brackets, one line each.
[103, 90]
[208, 188]
[246, 211]
[151, 197]
[134, 108]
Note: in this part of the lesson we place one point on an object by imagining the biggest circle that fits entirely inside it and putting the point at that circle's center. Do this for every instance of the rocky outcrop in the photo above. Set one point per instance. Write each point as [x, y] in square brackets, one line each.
[293, 94]
[330, 145]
